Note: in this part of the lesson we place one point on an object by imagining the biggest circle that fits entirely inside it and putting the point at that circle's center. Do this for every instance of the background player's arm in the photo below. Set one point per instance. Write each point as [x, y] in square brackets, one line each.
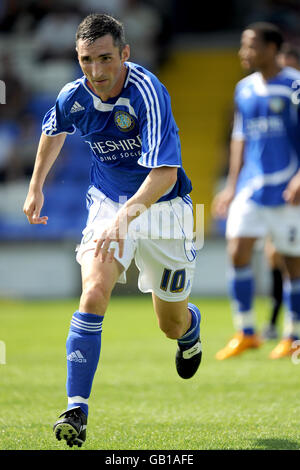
[292, 193]
[47, 153]
[158, 181]
[223, 199]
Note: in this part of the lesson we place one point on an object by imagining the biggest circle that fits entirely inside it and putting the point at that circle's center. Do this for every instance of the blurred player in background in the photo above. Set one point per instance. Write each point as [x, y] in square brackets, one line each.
[124, 115]
[289, 56]
[262, 194]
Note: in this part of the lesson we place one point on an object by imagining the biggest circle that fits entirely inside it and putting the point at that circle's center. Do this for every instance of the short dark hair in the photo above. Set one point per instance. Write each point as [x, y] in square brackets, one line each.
[96, 25]
[268, 32]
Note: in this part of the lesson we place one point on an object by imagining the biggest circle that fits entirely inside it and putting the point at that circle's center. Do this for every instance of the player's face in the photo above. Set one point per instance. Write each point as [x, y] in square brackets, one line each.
[103, 65]
[254, 53]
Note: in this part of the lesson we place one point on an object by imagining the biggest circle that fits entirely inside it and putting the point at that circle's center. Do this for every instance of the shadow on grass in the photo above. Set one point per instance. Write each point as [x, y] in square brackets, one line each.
[277, 444]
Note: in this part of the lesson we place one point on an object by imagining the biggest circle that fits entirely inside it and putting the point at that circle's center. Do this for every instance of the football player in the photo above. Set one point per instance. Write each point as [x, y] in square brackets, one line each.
[124, 116]
[262, 194]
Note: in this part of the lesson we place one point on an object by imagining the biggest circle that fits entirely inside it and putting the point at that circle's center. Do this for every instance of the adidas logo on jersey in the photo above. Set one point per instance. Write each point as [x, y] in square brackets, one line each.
[77, 107]
[76, 356]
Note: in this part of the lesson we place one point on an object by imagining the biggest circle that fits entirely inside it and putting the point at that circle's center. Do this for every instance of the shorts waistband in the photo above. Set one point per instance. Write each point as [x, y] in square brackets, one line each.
[101, 196]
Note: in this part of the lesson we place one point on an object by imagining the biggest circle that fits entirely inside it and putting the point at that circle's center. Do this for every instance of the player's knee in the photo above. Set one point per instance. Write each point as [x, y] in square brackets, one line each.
[94, 298]
[239, 257]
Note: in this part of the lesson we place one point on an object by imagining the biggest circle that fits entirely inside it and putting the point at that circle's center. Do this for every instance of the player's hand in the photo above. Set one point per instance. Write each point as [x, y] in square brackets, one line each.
[292, 192]
[221, 203]
[107, 243]
[33, 206]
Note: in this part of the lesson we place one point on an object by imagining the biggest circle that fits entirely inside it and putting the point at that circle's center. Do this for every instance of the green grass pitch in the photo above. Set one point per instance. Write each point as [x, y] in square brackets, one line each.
[138, 401]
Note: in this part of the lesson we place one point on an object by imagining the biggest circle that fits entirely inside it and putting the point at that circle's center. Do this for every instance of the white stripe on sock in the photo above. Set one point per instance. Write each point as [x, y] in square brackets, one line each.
[86, 328]
[86, 323]
[291, 327]
[77, 399]
[243, 320]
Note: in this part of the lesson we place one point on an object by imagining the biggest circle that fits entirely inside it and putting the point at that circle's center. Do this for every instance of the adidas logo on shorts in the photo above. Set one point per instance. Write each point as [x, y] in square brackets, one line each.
[76, 356]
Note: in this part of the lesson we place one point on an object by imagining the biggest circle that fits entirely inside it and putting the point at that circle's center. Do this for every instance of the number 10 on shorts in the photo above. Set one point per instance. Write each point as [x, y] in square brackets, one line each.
[173, 280]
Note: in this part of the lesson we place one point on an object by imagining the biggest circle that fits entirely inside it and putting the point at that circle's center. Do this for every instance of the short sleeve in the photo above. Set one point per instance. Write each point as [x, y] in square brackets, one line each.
[158, 130]
[238, 131]
[55, 121]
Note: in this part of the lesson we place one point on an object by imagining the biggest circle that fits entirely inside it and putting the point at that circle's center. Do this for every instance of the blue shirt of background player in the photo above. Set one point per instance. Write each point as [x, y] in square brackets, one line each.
[267, 119]
[127, 135]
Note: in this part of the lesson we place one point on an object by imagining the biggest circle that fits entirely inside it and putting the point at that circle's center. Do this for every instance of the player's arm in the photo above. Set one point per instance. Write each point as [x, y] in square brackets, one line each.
[292, 192]
[48, 151]
[155, 185]
[223, 199]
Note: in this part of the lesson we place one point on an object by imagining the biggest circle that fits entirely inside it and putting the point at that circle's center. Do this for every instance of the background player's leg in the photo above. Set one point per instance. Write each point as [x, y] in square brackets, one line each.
[277, 268]
[276, 294]
[241, 291]
[292, 314]
[241, 283]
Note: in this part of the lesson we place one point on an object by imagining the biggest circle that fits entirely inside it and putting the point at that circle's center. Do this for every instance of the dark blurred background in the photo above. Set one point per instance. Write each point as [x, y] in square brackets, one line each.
[191, 46]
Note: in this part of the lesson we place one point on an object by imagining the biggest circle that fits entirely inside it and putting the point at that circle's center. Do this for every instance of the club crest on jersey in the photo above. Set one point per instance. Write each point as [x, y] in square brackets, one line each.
[276, 104]
[124, 121]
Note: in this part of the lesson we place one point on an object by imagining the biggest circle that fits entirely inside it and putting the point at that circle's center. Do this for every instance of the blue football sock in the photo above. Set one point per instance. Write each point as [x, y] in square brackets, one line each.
[292, 302]
[241, 290]
[83, 352]
[190, 337]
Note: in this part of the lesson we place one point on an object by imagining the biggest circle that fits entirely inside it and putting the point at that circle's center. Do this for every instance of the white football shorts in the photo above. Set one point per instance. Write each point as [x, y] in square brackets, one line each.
[159, 240]
[282, 223]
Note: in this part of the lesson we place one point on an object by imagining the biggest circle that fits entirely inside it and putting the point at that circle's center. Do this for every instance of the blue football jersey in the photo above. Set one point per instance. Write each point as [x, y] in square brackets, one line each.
[127, 135]
[267, 119]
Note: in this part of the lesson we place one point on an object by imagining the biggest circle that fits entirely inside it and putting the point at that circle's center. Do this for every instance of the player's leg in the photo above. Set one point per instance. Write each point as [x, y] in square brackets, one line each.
[181, 321]
[286, 239]
[84, 339]
[241, 291]
[245, 224]
[165, 258]
[98, 280]
[84, 344]
[241, 282]
[292, 314]
[174, 318]
[276, 265]
[276, 294]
